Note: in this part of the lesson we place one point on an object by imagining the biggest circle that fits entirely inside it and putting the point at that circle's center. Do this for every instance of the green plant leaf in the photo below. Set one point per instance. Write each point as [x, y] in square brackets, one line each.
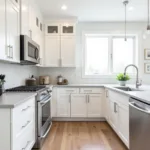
[122, 77]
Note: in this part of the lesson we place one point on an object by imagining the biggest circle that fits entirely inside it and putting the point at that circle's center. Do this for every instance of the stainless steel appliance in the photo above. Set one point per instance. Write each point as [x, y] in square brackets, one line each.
[29, 51]
[43, 110]
[139, 125]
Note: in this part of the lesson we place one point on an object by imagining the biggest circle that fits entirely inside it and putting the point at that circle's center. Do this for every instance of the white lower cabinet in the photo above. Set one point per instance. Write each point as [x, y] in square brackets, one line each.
[118, 114]
[17, 130]
[78, 105]
[113, 115]
[123, 123]
[94, 105]
[63, 105]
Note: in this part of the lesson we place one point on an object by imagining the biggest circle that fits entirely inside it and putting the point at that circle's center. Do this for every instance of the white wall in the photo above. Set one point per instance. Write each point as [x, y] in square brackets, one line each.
[74, 75]
[16, 74]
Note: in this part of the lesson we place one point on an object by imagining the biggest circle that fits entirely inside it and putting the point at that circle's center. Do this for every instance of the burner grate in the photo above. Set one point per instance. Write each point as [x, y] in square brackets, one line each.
[25, 89]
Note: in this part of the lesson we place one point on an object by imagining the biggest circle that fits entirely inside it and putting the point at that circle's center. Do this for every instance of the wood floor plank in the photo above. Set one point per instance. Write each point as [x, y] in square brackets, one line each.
[82, 136]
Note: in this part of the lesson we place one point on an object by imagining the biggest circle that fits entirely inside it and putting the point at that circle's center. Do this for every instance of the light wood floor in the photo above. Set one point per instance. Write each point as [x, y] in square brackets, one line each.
[82, 136]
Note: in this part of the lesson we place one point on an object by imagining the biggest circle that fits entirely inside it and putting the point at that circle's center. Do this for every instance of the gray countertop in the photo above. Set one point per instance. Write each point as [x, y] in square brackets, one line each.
[142, 95]
[11, 100]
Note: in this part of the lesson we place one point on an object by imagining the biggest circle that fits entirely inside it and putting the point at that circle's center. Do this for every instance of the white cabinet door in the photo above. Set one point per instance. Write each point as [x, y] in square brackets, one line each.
[78, 105]
[106, 108]
[68, 51]
[113, 114]
[123, 122]
[94, 105]
[13, 32]
[52, 51]
[2, 30]
[25, 17]
[63, 105]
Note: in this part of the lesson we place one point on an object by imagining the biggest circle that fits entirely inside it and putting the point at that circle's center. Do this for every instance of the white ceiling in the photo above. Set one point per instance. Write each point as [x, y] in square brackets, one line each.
[93, 10]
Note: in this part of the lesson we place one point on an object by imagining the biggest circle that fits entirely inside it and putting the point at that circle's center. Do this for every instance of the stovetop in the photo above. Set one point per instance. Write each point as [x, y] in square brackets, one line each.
[26, 88]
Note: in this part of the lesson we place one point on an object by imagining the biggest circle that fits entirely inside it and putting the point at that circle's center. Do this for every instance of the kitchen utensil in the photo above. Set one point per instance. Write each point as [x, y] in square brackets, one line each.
[31, 81]
[44, 80]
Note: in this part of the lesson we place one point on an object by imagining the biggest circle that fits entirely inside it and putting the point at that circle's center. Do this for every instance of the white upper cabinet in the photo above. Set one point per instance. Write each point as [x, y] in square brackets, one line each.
[68, 51]
[2, 30]
[25, 17]
[64, 36]
[67, 29]
[52, 29]
[13, 32]
[94, 105]
[52, 51]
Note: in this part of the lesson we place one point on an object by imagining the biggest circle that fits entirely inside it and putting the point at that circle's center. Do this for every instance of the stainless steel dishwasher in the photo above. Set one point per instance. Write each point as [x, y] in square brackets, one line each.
[139, 125]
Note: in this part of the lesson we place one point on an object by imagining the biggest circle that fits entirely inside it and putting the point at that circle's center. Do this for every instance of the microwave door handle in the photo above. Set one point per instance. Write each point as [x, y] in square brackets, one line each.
[36, 54]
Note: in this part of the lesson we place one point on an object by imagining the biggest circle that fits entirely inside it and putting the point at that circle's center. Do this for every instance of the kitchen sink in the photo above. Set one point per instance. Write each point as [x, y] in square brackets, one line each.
[127, 89]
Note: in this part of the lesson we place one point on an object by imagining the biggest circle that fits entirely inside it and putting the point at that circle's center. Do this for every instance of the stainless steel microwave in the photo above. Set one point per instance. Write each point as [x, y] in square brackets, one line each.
[29, 51]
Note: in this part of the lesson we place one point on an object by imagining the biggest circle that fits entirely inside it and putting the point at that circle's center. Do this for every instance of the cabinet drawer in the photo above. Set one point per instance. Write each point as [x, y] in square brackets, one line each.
[23, 116]
[91, 90]
[68, 90]
[119, 98]
[26, 140]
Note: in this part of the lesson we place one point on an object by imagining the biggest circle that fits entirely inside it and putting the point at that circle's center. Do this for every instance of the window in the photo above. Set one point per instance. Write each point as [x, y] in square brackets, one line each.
[108, 55]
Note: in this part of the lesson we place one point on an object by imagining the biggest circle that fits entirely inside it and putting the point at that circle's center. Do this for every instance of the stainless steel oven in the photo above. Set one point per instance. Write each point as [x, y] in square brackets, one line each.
[44, 121]
[29, 50]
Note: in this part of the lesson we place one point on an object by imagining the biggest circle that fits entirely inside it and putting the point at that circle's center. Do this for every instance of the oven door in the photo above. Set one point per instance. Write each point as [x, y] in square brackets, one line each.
[44, 117]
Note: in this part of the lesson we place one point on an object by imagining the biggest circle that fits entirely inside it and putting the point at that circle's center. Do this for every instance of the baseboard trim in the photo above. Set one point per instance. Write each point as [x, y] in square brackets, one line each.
[77, 119]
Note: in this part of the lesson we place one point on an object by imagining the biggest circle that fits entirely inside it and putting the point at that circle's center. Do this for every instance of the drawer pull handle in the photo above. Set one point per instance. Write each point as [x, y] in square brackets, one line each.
[26, 124]
[26, 145]
[26, 108]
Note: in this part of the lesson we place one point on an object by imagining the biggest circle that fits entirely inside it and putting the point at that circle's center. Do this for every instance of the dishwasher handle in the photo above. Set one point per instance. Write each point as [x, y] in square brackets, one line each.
[134, 105]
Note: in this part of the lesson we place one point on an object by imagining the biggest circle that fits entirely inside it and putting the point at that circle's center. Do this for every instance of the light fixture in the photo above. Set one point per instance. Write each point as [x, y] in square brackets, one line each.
[125, 2]
[64, 7]
[147, 32]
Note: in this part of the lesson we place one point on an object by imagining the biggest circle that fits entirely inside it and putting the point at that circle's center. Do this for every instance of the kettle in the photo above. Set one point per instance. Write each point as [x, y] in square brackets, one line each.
[31, 81]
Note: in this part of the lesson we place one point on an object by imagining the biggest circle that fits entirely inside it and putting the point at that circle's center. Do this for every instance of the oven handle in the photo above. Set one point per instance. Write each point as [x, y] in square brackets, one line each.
[43, 103]
[44, 136]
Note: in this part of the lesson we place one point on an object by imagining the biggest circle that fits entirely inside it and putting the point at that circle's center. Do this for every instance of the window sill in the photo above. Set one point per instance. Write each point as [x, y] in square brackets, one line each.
[103, 76]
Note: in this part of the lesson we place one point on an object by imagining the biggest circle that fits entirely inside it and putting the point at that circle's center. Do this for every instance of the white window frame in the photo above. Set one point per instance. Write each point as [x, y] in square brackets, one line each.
[110, 36]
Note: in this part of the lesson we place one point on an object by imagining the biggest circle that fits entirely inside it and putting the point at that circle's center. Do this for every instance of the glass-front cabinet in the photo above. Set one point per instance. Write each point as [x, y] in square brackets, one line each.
[68, 29]
[60, 29]
[52, 29]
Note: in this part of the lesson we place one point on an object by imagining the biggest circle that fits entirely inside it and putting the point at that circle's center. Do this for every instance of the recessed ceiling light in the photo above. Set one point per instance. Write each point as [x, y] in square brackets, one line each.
[131, 8]
[64, 7]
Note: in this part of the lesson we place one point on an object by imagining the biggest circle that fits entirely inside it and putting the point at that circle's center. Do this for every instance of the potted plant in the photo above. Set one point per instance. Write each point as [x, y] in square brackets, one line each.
[2, 81]
[122, 79]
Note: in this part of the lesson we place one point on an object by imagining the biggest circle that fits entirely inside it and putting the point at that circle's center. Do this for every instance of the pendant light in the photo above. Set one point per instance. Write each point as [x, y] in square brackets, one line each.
[147, 32]
[125, 2]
